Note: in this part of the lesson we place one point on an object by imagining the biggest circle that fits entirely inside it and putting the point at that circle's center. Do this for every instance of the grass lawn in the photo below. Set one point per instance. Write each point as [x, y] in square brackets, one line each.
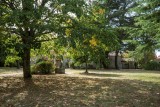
[8, 70]
[99, 88]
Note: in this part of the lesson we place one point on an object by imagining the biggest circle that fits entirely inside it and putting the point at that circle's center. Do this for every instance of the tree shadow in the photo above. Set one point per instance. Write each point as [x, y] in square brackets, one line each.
[131, 93]
[136, 71]
[18, 91]
[100, 75]
[126, 71]
[62, 91]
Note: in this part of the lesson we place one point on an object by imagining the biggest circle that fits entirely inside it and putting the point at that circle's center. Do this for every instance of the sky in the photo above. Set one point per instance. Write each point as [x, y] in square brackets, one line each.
[157, 53]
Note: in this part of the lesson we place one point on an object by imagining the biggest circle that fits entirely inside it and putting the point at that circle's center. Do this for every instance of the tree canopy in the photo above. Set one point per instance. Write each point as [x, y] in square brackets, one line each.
[32, 19]
[145, 34]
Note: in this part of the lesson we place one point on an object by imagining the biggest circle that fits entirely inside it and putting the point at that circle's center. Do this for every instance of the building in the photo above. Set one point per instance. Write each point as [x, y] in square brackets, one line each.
[123, 63]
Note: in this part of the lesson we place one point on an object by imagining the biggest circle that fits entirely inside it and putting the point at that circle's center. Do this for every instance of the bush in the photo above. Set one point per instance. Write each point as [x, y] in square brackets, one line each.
[59, 71]
[42, 59]
[43, 67]
[152, 65]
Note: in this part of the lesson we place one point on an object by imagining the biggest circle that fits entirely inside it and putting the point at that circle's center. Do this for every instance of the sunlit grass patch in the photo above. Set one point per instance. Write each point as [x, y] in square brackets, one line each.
[150, 76]
[9, 70]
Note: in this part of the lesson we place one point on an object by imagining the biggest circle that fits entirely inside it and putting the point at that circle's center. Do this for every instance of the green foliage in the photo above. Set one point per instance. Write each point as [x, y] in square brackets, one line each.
[42, 59]
[31, 20]
[152, 65]
[11, 60]
[142, 55]
[91, 37]
[145, 34]
[13, 50]
[9, 48]
[34, 19]
[43, 67]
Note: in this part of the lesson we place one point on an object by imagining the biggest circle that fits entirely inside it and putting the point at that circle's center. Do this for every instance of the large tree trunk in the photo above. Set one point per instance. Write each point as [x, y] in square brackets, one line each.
[116, 59]
[26, 63]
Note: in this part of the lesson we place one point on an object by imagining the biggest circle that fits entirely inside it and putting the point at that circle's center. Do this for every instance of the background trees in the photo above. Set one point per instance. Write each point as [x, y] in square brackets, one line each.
[145, 34]
[119, 16]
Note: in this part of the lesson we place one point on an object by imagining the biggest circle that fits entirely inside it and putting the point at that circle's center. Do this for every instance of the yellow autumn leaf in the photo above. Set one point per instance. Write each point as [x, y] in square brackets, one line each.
[101, 11]
[125, 55]
[93, 42]
[69, 21]
[68, 32]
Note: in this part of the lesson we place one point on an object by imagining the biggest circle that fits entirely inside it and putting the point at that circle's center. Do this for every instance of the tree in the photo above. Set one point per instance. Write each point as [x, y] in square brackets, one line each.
[145, 34]
[119, 16]
[92, 36]
[32, 19]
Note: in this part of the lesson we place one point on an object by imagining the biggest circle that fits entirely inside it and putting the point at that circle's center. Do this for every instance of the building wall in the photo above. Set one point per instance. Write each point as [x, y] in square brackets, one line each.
[128, 65]
[112, 62]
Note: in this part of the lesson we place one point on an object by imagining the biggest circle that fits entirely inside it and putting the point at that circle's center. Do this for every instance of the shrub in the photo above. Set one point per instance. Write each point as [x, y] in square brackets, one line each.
[152, 65]
[72, 65]
[34, 69]
[42, 59]
[43, 67]
[59, 71]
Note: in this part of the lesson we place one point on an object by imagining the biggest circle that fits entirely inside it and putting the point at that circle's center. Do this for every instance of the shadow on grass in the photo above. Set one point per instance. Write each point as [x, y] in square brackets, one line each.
[125, 71]
[101, 75]
[78, 92]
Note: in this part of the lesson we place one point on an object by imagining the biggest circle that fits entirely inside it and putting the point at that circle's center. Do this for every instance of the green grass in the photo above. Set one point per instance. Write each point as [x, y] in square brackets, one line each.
[99, 88]
[142, 75]
[9, 70]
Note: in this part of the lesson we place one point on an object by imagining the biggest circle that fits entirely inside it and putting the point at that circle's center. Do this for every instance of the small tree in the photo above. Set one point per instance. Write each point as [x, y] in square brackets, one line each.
[92, 37]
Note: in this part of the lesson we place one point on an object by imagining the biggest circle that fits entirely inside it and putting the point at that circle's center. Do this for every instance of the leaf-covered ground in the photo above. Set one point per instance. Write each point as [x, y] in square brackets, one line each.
[97, 89]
